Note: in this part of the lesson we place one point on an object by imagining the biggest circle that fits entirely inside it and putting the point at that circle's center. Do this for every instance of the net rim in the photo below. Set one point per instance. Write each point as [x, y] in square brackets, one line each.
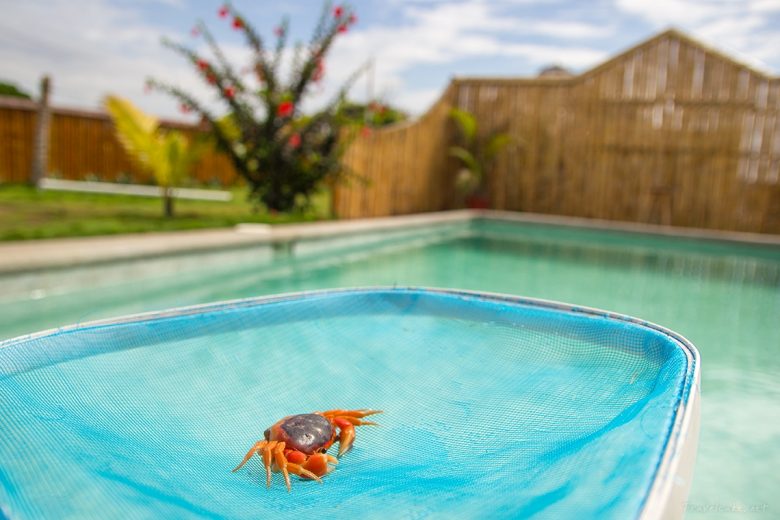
[678, 440]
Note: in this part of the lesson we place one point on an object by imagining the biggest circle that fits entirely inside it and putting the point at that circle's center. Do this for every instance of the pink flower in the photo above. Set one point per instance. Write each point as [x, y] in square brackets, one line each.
[223, 11]
[285, 109]
[279, 31]
[230, 92]
[295, 141]
[343, 28]
[352, 19]
[202, 64]
[238, 23]
[338, 11]
[185, 108]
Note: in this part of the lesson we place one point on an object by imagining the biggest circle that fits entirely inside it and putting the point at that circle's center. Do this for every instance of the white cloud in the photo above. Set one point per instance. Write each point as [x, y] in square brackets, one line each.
[95, 47]
[742, 28]
[441, 33]
[90, 48]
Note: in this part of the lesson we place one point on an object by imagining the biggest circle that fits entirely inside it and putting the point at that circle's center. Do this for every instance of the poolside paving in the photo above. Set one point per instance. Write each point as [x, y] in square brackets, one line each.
[33, 255]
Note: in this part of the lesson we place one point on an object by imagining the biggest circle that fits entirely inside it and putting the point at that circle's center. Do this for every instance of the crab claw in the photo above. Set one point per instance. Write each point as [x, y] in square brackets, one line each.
[347, 435]
[318, 464]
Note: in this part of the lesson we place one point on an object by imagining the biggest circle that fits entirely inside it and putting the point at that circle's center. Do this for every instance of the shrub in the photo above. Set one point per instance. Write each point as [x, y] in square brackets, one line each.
[283, 155]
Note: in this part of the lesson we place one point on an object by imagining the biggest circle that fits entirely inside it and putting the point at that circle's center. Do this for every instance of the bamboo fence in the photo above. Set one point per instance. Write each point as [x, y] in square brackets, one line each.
[669, 132]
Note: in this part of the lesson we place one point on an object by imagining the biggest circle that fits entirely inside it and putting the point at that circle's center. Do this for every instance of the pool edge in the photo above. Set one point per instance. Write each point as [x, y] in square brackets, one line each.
[29, 256]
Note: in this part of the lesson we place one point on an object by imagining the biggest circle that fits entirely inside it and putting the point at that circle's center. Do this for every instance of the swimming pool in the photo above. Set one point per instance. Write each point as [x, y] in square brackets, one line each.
[725, 298]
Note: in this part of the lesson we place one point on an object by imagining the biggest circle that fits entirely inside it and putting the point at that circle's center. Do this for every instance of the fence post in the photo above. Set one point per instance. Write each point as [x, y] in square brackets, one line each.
[40, 157]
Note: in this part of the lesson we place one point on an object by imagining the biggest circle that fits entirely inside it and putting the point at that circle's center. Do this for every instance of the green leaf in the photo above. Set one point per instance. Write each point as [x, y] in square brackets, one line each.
[168, 155]
[466, 122]
[496, 143]
[468, 159]
[135, 130]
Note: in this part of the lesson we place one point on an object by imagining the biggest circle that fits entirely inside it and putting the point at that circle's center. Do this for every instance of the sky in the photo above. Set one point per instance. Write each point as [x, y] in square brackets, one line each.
[92, 48]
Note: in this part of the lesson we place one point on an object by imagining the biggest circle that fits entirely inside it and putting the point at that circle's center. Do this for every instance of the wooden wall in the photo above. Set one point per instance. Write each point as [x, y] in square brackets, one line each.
[400, 169]
[669, 132]
[82, 146]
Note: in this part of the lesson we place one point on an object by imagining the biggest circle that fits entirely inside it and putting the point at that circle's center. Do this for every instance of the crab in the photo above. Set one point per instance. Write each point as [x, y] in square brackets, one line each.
[297, 443]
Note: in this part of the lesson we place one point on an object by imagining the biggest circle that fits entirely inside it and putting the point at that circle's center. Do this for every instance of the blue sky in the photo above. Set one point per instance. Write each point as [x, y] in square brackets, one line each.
[95, 47]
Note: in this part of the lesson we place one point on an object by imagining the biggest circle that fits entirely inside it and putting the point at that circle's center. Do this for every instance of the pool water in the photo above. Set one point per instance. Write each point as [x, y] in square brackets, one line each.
[724, 298]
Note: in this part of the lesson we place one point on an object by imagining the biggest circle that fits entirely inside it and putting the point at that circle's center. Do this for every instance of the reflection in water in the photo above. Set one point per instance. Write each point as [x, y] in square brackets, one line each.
[725, 299]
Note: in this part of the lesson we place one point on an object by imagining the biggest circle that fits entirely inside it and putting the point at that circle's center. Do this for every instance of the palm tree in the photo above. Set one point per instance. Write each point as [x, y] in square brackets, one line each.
[167, 154]
[477, 154]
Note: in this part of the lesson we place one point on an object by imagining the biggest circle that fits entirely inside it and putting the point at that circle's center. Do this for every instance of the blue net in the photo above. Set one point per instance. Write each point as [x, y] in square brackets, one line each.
[492, 407]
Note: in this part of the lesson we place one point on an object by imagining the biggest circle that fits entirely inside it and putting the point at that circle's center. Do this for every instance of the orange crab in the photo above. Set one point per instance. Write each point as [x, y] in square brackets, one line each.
[297, 443]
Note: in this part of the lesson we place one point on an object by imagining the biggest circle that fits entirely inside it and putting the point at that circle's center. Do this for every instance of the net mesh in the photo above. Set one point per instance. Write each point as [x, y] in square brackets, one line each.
[491, 407]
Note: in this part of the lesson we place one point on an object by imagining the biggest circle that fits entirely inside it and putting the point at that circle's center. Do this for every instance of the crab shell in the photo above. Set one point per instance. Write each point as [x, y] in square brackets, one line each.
[308, 433]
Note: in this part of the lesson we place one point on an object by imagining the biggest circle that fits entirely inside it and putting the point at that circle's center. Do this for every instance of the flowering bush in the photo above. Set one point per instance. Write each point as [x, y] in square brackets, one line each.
[283, 154]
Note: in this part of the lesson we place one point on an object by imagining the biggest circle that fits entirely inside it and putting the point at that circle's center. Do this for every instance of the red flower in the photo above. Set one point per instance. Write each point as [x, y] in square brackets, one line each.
[223, 11]
[343, 28]
[238, 23]
[286, 108]
[230, 92]
[279, 31]
[295, 141]
[352, 19]
[202, 64]
[338, 11]
[185, 108]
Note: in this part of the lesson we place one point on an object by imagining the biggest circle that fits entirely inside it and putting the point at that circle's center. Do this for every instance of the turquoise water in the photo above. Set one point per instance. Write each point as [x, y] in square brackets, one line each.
[725, 299]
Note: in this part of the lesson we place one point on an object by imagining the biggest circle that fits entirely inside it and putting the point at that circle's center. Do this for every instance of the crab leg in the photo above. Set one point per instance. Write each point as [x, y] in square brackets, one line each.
[301, 472]
[281, 462]
[355, 421]
[346, 435]
[259, 445]
[350, 413]
[267, 458]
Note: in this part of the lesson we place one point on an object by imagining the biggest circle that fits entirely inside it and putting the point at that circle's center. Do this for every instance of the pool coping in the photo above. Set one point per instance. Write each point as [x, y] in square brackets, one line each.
[27, 256]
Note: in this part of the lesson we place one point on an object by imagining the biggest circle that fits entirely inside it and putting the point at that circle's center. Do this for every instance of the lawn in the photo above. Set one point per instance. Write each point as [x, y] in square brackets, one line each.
[27, 213]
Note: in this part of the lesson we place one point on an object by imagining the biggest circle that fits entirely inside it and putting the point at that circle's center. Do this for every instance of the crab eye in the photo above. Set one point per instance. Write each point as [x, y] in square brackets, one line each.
[267, 434]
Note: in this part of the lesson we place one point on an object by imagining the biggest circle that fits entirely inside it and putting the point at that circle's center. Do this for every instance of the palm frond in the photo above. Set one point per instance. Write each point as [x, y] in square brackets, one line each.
[466, 122]
[135, 130]
[467, 158]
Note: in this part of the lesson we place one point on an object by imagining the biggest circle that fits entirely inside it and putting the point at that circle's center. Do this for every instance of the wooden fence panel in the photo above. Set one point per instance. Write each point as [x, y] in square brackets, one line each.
[83, 146]
[669, 132]
[400, 169]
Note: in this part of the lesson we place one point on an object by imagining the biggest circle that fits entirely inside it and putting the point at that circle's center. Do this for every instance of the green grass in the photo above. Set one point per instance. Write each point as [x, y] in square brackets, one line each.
[27, 213]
